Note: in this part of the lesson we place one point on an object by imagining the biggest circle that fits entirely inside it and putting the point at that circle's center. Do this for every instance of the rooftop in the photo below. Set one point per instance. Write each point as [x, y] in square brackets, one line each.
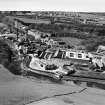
[32, 21]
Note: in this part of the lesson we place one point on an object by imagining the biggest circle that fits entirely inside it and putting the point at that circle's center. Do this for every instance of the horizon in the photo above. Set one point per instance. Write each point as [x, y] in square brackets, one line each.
[53, 5]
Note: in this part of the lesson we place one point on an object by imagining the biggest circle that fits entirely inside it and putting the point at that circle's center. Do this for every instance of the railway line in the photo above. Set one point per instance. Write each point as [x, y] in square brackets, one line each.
[93, 78]
[84, 79]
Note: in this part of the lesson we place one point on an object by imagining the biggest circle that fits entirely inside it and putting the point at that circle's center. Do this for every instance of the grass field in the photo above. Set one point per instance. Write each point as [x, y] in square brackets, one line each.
[72, 41]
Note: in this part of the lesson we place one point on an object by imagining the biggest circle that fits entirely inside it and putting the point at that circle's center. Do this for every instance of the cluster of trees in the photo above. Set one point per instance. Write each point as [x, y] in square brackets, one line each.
[5, 23]
[76, 35]
[66, 29]
[92, 44]
[6, 59]
[48, 27]
[92, 35]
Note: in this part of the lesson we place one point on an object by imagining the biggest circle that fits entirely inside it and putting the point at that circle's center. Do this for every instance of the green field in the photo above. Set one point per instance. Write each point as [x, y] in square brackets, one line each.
[72, 41]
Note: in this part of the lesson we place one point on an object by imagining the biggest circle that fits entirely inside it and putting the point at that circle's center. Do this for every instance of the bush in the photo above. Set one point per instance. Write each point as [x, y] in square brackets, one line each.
[15, 69]
[5, 63]
[6, 59]
[92, 43]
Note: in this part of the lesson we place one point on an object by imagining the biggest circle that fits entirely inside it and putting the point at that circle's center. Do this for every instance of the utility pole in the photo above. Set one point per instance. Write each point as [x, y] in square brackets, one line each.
[26, 34]
[16, 26]
[17, 34]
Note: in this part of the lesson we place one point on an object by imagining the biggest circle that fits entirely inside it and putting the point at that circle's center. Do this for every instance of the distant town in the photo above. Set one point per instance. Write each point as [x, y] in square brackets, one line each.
[58, 16]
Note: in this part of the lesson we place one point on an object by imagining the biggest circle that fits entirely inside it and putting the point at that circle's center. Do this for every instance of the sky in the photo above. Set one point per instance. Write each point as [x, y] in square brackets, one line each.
[54, 5]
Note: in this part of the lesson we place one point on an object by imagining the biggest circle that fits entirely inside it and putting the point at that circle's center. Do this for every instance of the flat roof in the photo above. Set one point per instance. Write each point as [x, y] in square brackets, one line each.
[78, 51]
[32, 21]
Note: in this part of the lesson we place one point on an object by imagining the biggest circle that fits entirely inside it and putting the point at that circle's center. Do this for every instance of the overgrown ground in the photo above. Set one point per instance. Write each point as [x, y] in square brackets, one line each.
[73, 42]
[6, 55]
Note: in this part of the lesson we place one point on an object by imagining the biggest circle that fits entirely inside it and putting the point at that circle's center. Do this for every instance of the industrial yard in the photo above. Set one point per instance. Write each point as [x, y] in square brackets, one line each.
[54, 57]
